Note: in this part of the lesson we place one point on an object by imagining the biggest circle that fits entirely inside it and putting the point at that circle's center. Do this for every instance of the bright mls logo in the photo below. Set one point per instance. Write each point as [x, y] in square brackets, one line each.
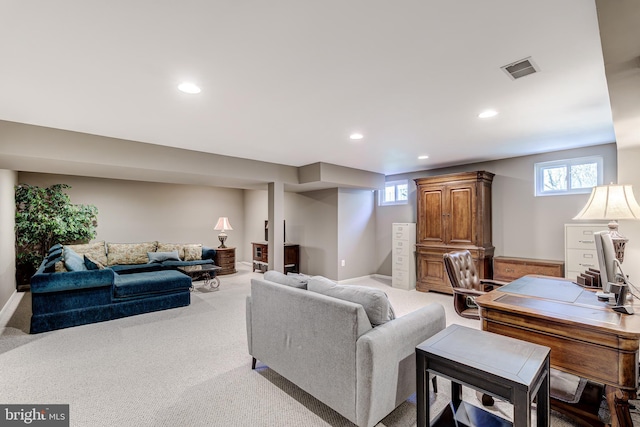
[34, 415]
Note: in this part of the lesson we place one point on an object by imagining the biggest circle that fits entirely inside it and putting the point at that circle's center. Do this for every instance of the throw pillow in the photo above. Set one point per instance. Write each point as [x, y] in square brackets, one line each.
[92, 264]
[73, 261]
[170, 247]
[192, 252]
[285, 279]
[96, 250]
[374, 301]
[163, 256]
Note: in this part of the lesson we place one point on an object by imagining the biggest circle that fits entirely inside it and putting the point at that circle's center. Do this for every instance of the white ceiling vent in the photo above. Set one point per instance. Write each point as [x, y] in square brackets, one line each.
[521, 68]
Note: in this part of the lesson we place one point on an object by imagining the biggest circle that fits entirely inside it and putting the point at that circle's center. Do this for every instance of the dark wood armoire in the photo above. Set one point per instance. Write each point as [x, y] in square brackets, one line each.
[453, 213]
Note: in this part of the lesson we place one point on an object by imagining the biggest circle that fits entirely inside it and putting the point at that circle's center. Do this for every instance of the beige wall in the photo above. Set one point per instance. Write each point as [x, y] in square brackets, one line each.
[356, 233]
[136, 211]
[523, 225]
[311, 222]
[8, 180]
[629, 173]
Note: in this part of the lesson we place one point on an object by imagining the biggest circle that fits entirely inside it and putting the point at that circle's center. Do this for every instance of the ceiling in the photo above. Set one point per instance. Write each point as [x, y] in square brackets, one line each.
[287, 81]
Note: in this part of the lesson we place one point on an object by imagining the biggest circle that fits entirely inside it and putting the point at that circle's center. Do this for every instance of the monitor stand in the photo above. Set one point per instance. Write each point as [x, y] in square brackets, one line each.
[606, 296]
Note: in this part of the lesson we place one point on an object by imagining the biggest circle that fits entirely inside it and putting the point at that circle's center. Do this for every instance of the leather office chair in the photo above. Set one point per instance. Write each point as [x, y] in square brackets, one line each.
[466, 283]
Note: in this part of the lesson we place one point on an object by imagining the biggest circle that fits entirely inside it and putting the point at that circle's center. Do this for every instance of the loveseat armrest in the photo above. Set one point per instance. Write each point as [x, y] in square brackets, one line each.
[208, 253]
[71, 280]
[386, 374]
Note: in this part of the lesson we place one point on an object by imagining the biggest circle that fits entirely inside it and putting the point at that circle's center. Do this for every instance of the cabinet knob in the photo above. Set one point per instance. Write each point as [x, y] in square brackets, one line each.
[586, 241]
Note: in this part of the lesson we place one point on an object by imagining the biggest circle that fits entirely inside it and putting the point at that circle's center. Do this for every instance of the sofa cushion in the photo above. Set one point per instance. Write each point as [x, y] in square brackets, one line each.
[163, 256]
[55, 247]
[95, 250]
[91, 263]
[175, 264]
[153, 282]
[136, 268]
[50, 265]
[60, 267]
[375, 302]
[72, 260]
[129, 253]
[55, 254]
[192, 252]
[285, 279]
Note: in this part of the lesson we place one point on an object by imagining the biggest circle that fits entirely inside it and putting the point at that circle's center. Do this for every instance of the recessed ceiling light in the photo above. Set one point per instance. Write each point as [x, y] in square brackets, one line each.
[423, 157]
[356, 136]
[188, 87]
[488, 113]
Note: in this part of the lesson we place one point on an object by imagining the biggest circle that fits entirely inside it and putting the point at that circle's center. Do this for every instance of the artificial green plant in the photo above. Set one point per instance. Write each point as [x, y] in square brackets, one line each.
[46, 216]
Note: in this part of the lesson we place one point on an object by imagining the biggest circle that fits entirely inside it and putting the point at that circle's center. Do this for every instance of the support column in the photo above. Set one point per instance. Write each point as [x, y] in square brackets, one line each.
[276, 226]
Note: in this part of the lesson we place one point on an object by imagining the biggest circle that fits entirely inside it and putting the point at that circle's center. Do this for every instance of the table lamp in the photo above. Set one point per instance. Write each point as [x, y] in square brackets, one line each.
[612, 202]
[222, 225]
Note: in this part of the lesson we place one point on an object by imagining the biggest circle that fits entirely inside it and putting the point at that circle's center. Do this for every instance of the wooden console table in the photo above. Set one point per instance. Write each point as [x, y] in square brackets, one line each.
[507, 269]
[587, 338]
[261, 257]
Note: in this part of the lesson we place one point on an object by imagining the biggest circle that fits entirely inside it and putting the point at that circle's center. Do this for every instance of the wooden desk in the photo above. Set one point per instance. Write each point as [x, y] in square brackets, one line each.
[586, 337]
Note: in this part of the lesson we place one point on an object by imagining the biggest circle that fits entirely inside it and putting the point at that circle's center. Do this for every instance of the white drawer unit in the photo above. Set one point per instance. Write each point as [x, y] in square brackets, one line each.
[403, 270]
[580, 248]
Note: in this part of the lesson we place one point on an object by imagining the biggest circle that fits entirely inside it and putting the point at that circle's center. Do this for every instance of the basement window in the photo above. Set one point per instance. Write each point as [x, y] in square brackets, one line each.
[394, 193]
[570, 176]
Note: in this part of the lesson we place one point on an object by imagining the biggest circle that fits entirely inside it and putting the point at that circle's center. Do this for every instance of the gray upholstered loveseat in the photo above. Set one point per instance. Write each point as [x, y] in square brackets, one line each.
[329, 348]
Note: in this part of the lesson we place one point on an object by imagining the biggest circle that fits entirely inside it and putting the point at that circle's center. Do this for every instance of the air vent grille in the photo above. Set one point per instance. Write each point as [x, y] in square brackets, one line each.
[521, 68]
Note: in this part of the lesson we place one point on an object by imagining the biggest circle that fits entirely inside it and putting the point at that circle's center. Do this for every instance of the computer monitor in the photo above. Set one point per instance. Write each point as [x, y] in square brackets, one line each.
[606, 259]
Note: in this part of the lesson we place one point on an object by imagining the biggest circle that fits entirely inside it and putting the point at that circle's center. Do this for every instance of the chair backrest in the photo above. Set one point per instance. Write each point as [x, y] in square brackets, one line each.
[461, 270]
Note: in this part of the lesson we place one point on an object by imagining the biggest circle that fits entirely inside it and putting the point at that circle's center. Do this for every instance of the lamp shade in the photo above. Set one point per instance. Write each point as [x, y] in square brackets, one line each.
[223, 224]
[611, 202]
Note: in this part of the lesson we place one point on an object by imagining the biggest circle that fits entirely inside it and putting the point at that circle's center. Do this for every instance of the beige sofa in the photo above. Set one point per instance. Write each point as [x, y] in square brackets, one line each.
[329, 348]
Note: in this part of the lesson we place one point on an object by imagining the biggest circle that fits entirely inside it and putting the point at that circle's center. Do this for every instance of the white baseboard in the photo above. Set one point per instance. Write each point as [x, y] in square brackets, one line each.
[10, 308]
[368, 276]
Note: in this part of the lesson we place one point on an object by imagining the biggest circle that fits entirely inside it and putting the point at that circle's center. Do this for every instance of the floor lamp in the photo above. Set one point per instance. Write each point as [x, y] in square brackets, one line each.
[612, 202]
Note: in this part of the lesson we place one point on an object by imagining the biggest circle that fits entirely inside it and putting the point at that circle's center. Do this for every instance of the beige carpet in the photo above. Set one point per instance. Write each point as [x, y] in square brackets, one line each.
[181, 367]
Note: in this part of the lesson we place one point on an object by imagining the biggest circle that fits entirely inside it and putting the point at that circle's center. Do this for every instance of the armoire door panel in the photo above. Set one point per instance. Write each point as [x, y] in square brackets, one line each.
[432, 222]
[461, 229]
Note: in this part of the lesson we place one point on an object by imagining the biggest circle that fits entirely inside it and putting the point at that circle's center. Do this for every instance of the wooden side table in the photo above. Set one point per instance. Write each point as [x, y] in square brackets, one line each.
[226, 259]
[511, 369]
[261, 257]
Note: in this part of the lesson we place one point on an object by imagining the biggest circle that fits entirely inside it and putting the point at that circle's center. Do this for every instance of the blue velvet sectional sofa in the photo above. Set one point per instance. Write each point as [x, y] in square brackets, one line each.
[81, 284]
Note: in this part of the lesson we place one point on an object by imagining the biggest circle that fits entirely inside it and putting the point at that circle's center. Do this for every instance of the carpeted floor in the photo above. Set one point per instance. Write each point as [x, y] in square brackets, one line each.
[181, 367]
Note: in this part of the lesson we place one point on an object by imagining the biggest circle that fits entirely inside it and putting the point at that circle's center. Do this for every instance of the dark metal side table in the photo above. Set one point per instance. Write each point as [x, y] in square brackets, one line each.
[206, 272]
[514, 370]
